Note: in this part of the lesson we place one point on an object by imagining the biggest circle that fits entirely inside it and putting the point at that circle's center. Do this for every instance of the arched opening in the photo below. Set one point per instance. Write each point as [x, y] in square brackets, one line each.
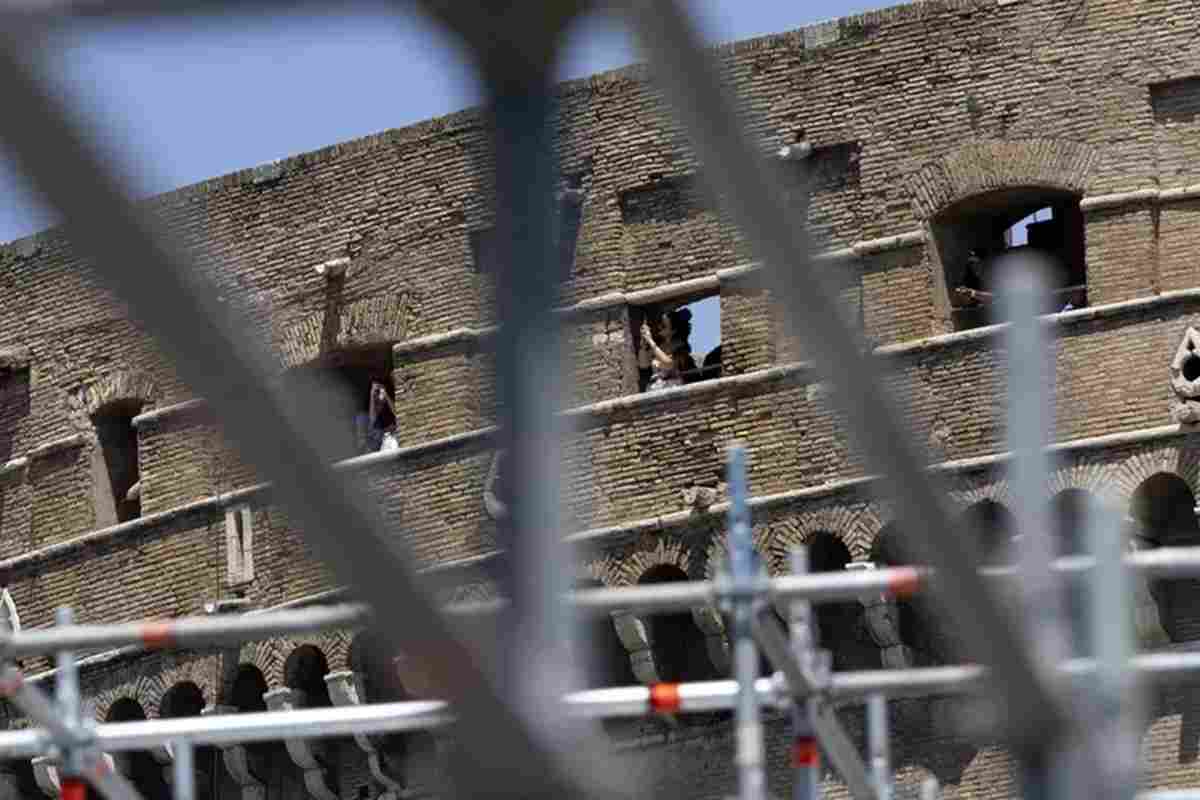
[918, 630]
[187, 700]
[138, 765]
[343, 380]
[839, 625]
[1164, 508]
[305, 670]
[974, 233]
[995, 526]
[116, 480]
[269, 760]
[1069, 512]
[602, 660]
[372, 659]
[679, 648]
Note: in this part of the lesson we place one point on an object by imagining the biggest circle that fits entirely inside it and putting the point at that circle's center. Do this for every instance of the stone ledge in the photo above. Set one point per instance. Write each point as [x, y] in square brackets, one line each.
[12, 358]
[16, 465]
[157, 414]
[58, 446]
[1140, 197]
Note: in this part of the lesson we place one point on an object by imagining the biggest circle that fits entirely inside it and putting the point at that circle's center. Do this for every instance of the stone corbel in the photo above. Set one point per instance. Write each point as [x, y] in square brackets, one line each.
[302, 752]
[635, 635]
[346, 689]
[882, 619]
[237, 762]
[716, 643]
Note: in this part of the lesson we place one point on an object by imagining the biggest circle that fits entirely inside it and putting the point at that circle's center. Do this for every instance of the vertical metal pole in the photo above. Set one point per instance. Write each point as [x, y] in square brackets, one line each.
[67, 700]
[1030, 375]
[806, 759]
[750, 760]
[877, 742]
[183, 770]
[1114, 741]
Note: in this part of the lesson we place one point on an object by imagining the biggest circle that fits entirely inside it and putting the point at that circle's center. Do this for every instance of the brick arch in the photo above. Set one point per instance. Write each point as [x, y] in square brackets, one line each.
[1178, 459]
[1089, 476]
[652, 551]
[121, 385]
[962, 492]
[199, 671]
[381, 319]
[986, 166]
[323, 641]
[841, 521]
[263, 655]
[103, 702]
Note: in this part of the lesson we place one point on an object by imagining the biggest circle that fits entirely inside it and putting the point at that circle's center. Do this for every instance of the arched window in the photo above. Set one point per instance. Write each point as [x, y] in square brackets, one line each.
[116, 478]
[269, 760]
[371, 658]
[995, 526]
[839, 625]
[139, 766]
[1164, 508]
[917, 626]
[679, 648]
[973, 233]
[187, 700]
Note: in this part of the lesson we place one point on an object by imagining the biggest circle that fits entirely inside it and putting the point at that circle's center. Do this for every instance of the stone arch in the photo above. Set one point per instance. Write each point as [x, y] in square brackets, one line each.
[305, 670]
[199, 671]
[968, 489]
[603, 660]
[1083, 475]
[185, 699]
[678, 642]
[121, 386]
[1163, 511]
[380, 319]
[138, 765]
[838, 521]
[278, 675]
[261, 655]
[989, 165]
[666, 549]
[1178, 458]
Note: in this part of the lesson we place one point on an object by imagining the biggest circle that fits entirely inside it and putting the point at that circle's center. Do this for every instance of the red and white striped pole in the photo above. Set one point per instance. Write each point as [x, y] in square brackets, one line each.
[805, 755]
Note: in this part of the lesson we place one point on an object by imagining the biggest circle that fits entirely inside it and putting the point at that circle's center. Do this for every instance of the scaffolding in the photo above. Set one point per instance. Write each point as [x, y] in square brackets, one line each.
[1071, 723]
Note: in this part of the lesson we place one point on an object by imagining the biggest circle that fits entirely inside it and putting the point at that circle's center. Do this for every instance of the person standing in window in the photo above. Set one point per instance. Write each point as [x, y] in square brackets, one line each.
[381, 433]
[671, 363]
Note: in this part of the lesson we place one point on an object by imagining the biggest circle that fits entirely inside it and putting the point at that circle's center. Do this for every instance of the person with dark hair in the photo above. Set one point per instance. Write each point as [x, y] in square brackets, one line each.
[667, 357]
[381, 415]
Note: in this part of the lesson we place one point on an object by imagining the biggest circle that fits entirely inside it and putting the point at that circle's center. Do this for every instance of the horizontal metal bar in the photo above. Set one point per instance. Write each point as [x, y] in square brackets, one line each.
[184, 633]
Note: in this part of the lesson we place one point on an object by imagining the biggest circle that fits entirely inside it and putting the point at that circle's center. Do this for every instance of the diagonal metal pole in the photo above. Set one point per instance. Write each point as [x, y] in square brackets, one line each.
[168, 295]
[753, 200]
[821, 712]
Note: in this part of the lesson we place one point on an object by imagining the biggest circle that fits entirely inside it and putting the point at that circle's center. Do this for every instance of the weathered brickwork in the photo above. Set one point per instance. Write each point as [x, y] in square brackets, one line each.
[918, 116]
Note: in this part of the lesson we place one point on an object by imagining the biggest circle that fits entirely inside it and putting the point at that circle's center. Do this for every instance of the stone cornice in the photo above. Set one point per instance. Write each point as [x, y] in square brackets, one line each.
[157, 414]
[21, 463]
[1140, 197]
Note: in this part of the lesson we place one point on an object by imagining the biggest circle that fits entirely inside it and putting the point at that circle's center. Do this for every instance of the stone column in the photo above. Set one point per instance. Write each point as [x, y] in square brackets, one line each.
[635, 634]
[307, 754]
[237, 761]
[882, 618]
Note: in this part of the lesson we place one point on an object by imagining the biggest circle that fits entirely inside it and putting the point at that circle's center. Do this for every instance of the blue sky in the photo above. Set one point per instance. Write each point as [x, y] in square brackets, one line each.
[176, 102]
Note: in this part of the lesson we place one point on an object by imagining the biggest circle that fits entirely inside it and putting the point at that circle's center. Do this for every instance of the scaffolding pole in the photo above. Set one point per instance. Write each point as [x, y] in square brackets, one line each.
[182, 633]
[805, 755]
[741, 574]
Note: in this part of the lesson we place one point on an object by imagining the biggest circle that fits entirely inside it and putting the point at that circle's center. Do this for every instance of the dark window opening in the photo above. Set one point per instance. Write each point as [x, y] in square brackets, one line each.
[371, 658]
[305, 669]
[839, 625]
[1164, 509]
[687, 334]
[187, 700]
[138, 765]
[117, 493]
[679, 647]
[1191, 367]
[974, 235]
[14, 408]
[344, 381]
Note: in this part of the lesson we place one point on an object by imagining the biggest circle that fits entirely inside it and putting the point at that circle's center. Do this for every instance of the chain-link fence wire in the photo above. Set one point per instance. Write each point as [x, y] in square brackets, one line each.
[512, 741]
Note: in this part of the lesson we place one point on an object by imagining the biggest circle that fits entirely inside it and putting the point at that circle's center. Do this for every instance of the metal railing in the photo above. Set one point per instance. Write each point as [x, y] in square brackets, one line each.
[509, 703]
